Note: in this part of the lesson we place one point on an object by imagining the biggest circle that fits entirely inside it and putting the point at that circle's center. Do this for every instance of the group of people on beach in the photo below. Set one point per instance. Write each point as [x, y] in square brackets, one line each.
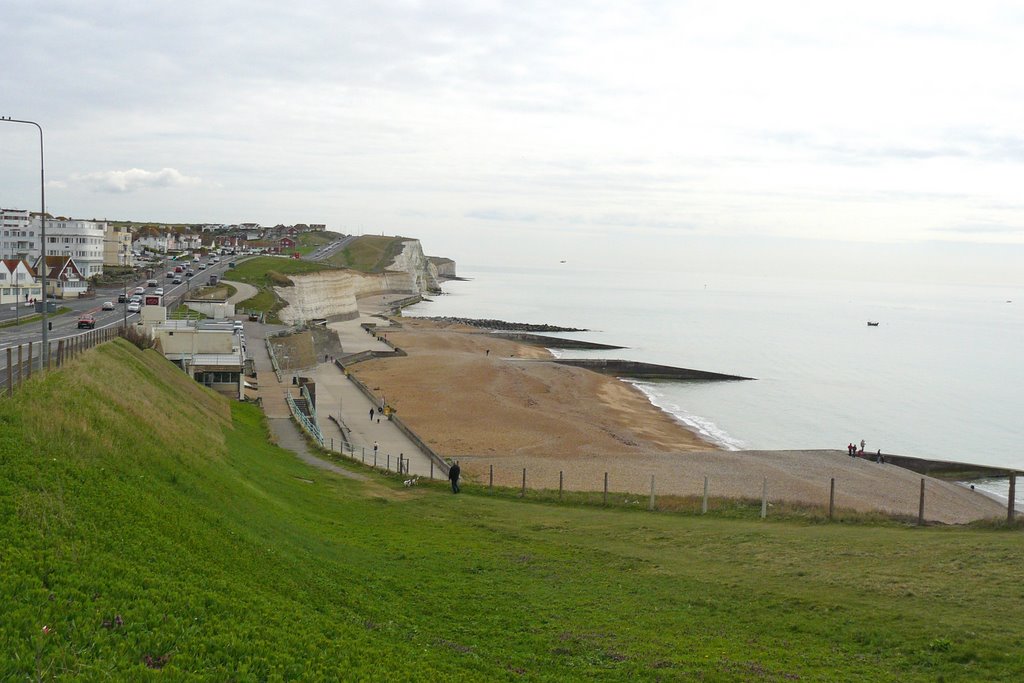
[855, 453]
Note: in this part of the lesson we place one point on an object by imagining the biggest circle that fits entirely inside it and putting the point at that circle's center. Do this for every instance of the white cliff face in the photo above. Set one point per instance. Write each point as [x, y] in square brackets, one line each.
[333, 293]
[411, 260]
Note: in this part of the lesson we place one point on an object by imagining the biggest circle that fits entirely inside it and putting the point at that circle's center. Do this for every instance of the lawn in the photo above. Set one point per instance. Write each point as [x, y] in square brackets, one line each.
[149, 524]
[368, 253]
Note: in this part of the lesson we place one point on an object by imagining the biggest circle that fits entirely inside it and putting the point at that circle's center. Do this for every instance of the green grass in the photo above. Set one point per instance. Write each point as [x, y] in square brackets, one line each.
[368, 253]
[309, 242]
[150, 498]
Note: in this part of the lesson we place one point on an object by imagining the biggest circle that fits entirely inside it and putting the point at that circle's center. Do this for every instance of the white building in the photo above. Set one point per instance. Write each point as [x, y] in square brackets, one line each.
[18, 238]
[81, 240]
[18, 283]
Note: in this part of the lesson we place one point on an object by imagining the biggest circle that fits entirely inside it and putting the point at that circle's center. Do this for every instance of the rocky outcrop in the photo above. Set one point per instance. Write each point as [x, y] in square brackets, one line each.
[412, 260]
[445, 267]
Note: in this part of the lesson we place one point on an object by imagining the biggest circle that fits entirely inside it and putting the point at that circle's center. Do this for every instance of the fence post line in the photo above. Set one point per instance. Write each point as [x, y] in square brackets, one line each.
[1013, 494]
[764, 498]
[431, 469]
[704, 503]
[387, 467]
[30, 359]
[831, 498]
[374, 459]
[60, 353]
[21, 366]
[523, 494]
[560, 484]
[10, 371]
[920, 505]
[490, 481]
[605, 489]
[364, 455]
[651, 505]
[332, 444]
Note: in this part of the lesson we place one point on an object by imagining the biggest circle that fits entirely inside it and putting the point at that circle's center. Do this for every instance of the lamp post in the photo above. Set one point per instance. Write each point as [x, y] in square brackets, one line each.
[42, 234]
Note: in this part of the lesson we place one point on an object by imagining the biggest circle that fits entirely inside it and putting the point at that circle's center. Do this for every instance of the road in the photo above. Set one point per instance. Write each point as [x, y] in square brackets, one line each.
[66, 325]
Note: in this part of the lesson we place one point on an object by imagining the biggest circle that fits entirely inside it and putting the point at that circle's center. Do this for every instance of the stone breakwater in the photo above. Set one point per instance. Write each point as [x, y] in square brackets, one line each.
[489, 324]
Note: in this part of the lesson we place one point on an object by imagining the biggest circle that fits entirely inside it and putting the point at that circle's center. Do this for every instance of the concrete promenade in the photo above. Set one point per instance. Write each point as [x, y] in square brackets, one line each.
[337, 397]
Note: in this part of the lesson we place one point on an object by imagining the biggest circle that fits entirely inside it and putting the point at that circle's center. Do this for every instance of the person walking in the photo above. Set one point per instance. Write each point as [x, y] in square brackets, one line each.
[371, 414]
[453, 475]
[375, 451]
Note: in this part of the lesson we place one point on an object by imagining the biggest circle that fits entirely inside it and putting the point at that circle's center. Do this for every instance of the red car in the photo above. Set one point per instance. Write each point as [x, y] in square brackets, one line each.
[87, 322]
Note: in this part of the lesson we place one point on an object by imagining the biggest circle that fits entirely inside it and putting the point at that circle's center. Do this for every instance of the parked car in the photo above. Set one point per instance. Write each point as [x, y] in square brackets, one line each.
[86, 322]
[108, 305]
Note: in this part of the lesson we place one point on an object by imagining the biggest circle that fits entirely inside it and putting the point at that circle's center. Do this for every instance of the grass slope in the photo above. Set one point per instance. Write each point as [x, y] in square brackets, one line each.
[369, 253]
[148, 523]
[264, 272]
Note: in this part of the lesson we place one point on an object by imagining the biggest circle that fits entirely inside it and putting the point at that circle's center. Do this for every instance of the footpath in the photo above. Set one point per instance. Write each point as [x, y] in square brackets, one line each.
[340, 404]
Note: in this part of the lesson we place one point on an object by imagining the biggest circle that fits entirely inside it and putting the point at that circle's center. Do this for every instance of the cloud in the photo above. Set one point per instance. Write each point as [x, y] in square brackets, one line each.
[120, 182]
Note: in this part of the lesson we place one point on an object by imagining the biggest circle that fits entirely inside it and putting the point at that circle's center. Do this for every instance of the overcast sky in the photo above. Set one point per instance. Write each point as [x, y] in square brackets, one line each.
[681, 132]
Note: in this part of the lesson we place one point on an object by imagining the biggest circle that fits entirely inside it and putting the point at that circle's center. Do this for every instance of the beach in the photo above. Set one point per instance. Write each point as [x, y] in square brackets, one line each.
[491, 402]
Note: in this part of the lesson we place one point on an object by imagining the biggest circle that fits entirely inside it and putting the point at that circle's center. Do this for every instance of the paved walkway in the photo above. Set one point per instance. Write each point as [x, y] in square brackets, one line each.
[243, 291]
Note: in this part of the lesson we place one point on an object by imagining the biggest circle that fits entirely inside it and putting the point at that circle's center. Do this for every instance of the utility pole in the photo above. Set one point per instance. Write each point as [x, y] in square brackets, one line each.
[42, 234]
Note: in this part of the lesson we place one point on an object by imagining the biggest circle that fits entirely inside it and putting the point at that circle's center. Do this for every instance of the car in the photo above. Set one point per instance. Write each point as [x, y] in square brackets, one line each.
[121, 298]
[108, 305]
[140, 290]
[151, 283]
[254, 317]
[176, 281]
[170, 273]
[159, 291]
[134, 307]
[86, 322]
[202, 266]
[136, 299]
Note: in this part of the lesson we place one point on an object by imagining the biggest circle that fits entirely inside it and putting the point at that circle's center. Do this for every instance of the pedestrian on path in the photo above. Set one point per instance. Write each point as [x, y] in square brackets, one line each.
[375, 451]
[371, 414]
[453, 475]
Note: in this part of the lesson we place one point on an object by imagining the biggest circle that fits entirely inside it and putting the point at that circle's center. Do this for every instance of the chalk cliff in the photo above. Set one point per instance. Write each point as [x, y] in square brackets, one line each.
[333, 293]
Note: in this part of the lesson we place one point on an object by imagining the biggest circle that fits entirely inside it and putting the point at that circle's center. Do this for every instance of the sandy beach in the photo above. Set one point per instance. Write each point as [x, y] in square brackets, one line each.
[493, 402]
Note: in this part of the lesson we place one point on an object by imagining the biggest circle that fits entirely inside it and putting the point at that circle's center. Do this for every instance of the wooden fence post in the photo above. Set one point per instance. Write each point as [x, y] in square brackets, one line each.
[30, 359]
[490, 479]
[60, 353]
[650, 506]
[10, 372]
[704, 503]
[560, 474]
[21, 366]
[605, 489]
[920, 506]
[523, 494]
[764, 498]
[1013, 495]
[431, 469]
[831, 498]
[387, 467]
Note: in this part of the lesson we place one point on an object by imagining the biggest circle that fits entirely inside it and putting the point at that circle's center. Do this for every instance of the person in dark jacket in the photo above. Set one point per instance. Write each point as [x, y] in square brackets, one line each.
[453, 475]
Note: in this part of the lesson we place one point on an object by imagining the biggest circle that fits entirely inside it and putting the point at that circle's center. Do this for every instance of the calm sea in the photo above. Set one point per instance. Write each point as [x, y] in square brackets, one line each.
[940, 377]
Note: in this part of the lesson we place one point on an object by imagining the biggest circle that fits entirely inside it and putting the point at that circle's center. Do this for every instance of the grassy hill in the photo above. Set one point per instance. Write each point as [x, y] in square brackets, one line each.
[147, 523]
[368, 253]
[264, 272]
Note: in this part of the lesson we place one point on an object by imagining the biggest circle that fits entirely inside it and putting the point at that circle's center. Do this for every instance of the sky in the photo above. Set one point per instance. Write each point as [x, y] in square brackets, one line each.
[843, 138]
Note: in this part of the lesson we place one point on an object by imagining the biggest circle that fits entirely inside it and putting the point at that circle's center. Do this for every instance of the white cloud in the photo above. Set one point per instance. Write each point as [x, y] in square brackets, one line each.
[132, 180]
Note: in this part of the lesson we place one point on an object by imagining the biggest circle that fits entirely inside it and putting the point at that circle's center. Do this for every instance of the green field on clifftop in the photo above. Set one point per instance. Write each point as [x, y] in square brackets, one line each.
[148, 524]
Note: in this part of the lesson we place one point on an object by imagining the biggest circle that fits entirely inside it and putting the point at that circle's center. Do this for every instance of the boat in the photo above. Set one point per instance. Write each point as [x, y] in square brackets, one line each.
[872, 323]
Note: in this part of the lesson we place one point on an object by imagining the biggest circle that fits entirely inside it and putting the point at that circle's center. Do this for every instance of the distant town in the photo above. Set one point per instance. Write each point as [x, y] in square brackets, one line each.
[79, 252]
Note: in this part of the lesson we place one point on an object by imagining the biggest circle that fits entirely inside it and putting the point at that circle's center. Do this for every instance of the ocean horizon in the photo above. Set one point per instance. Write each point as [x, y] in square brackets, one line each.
[938, 378]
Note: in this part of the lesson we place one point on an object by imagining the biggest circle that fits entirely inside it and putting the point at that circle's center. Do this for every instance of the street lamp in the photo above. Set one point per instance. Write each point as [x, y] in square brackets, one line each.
[42, 235]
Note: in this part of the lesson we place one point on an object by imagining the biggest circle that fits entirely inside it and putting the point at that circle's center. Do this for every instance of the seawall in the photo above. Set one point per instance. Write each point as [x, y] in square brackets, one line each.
[639, 370]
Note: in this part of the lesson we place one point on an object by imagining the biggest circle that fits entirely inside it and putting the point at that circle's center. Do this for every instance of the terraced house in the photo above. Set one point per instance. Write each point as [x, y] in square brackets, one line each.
[18, 282]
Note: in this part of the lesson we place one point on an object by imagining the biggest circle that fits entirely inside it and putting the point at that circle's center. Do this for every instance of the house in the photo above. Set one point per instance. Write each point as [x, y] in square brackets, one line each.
[286, 245]
[18, 282]
[64, 280]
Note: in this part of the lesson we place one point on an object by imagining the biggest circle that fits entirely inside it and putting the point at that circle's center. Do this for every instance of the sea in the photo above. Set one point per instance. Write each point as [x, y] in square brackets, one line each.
[939, 377]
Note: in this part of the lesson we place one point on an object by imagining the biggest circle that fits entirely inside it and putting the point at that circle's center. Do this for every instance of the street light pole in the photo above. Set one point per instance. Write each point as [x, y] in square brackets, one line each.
[42, 235]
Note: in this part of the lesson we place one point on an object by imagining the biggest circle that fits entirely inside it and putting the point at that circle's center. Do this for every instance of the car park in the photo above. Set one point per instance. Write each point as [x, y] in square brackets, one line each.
[86, 322]
[108, 305]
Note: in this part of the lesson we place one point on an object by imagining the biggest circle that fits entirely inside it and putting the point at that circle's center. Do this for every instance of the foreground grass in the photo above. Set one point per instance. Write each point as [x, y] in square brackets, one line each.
[150, 524]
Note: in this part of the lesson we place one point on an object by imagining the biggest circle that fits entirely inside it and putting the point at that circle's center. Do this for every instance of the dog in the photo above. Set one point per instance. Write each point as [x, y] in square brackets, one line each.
[411, 482]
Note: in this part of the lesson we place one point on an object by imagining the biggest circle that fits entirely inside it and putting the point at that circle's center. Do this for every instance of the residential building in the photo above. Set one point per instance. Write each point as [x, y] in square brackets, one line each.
[158, 243]
[64, 279]
[18, 282]
[81, 240]
[117, 246]
[18, 238]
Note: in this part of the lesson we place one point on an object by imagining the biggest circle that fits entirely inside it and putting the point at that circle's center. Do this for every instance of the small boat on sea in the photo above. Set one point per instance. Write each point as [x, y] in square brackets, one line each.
[872, 323]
